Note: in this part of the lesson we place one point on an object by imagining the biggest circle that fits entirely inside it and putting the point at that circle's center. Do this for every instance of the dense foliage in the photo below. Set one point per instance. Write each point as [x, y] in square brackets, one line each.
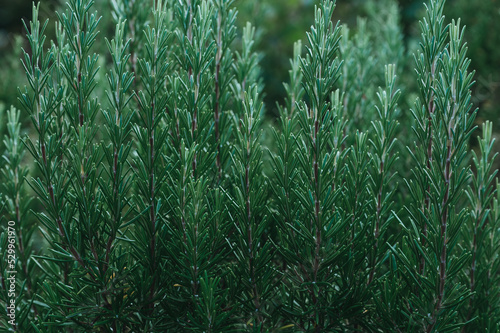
[164, 203]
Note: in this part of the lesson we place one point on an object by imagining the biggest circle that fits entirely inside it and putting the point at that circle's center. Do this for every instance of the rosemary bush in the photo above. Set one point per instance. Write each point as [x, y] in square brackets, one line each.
[160, 207]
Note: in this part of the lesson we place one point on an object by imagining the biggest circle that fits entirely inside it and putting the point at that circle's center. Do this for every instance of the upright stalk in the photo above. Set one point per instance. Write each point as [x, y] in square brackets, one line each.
[382, 161]
[445, 91]
[150, 137]
[432, 47]
[482, 201]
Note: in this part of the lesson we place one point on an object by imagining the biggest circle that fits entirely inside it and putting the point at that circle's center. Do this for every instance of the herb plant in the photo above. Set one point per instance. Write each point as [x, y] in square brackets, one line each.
[166, 201]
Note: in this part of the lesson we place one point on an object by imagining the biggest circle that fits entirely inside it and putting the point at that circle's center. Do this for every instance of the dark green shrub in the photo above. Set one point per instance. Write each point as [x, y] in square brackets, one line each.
[169, 205]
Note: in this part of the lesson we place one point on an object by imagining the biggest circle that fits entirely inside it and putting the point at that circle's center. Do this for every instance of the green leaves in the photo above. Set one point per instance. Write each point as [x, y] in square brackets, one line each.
[19, 275]
[479, 235]
[253, 252]
[444, 122]
[317, 193]
[162, 210]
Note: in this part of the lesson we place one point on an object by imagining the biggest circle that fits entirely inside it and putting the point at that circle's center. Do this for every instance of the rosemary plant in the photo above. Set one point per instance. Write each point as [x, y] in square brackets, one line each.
[162, 207]
[313, 237]
[376, 42]
[252, 249]
[382, 161]
[480, 236]
[444, 122]
[20, 276]
[150, 165]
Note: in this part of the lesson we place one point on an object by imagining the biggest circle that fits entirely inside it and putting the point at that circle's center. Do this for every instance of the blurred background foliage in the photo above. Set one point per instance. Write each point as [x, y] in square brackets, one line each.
[280, 23]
